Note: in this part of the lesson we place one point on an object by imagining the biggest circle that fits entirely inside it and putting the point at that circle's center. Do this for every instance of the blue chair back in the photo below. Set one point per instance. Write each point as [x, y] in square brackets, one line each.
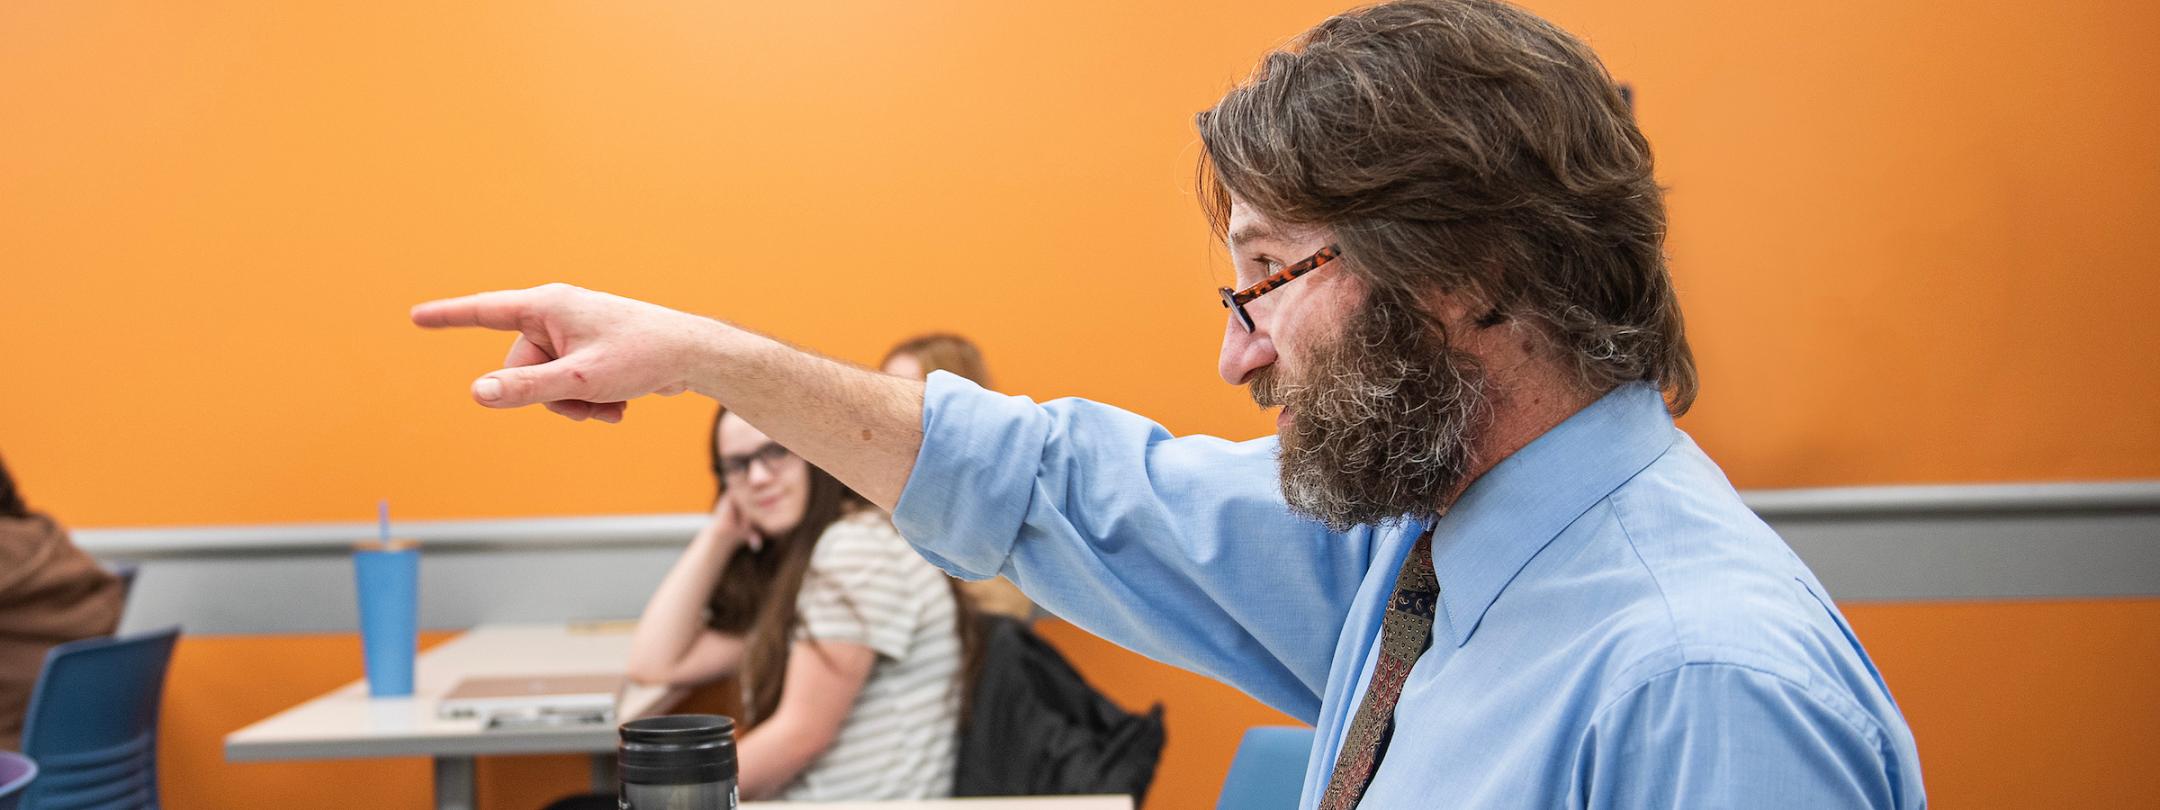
[92, 723]
[1269, 770]
[16, 771]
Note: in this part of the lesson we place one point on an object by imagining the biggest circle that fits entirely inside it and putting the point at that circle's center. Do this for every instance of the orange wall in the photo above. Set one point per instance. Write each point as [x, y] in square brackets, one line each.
[1914, 243]
[2025, 704]
[2014, 705]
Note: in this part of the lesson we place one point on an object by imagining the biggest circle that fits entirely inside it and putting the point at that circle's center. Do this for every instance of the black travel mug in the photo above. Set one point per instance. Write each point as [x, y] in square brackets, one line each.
[677, 762]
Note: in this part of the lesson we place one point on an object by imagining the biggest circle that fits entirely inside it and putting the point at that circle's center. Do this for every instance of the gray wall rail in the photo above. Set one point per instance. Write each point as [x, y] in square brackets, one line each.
[1868, 544]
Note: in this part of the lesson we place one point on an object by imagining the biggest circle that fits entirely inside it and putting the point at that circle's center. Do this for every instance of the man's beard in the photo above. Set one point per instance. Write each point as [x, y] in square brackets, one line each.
[1382, 420]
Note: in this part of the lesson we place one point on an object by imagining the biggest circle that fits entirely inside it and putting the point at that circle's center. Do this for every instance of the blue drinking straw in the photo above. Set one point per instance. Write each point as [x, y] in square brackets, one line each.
[382, 521]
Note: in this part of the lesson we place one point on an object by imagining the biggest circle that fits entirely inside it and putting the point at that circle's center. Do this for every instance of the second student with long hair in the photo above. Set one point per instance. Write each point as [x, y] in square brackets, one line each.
[848, 644]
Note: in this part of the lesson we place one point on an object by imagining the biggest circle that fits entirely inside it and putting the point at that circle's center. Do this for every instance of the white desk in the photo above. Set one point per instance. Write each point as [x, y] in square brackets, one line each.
[347, 724]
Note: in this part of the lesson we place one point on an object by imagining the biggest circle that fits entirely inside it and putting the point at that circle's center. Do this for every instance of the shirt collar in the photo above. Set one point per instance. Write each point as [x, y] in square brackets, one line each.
[1511, 512]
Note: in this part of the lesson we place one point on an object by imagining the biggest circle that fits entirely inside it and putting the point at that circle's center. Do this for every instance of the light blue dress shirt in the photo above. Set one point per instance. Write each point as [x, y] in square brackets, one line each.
[1615, 629]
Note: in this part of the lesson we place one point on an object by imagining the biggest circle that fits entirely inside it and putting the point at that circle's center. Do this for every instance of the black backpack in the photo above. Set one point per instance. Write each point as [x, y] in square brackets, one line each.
[1035, 727]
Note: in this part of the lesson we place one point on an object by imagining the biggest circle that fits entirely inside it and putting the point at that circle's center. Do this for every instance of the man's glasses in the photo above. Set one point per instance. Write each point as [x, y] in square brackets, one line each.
[1236, 300]
[736, 468]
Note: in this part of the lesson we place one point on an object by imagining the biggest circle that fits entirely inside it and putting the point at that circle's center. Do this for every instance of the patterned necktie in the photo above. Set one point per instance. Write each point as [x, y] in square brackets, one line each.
[1404, 634]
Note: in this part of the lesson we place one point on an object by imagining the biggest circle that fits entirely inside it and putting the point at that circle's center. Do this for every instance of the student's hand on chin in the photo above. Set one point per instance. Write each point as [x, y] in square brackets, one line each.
[731, 529]
[583, 354]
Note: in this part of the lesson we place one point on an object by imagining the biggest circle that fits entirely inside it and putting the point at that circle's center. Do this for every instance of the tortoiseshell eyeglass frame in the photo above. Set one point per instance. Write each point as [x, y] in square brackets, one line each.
[1236, 300]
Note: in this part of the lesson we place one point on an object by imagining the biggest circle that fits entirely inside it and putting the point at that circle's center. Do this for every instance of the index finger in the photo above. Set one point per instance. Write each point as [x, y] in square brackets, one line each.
[503, 309]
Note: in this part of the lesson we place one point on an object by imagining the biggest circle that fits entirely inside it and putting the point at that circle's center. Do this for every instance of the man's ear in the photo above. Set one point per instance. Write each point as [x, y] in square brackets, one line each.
[1453, 309]
[1462, 312]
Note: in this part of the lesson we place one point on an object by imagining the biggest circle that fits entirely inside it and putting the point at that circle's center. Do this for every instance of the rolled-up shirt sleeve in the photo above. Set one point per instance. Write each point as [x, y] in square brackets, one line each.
[1179, 548]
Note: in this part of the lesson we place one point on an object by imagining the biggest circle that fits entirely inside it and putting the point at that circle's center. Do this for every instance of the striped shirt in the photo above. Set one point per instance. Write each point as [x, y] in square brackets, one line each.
[868, 586]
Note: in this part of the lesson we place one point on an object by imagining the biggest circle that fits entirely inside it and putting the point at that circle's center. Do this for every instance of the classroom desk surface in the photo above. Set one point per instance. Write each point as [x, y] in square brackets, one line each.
[346, 723]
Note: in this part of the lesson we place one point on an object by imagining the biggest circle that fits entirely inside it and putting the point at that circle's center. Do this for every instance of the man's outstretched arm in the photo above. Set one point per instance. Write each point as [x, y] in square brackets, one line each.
[1179, 548]
[585, 355]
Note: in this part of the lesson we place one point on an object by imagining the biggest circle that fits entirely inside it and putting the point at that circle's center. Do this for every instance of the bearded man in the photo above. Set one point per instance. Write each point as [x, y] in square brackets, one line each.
[1479, 557]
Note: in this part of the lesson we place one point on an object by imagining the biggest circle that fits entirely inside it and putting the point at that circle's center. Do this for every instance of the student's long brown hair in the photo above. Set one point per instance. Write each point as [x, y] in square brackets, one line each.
[755, 597]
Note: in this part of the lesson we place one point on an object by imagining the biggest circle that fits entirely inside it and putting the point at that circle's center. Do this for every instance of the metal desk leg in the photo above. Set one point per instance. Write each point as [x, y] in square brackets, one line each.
[454, 783]
[603, 773]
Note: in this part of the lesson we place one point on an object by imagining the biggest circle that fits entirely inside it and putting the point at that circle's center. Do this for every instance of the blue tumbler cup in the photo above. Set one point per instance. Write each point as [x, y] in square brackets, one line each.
[387, 576]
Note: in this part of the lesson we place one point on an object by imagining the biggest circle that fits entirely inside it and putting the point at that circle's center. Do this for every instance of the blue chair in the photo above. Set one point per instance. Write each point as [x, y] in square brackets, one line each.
[16, 771]
[92, 723]
[1269, 770]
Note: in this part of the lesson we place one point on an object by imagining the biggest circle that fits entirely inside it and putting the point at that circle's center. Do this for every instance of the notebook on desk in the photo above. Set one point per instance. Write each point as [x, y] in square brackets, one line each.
[534, 700]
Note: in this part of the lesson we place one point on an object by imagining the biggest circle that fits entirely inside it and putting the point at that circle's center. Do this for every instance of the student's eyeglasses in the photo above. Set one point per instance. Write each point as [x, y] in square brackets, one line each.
[1236, 300]
[738, 467]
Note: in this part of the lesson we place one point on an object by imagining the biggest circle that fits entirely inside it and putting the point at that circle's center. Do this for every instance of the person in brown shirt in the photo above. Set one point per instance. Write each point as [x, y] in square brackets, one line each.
[50, 593]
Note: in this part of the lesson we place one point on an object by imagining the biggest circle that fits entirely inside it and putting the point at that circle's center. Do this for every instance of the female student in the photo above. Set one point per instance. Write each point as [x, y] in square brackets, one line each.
[848, 643]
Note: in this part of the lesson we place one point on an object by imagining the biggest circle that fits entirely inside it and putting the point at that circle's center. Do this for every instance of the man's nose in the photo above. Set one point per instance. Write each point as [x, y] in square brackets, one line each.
[1243, 352]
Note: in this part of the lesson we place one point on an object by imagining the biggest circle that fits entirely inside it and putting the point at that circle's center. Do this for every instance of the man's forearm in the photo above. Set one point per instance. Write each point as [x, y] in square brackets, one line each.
[862, 426]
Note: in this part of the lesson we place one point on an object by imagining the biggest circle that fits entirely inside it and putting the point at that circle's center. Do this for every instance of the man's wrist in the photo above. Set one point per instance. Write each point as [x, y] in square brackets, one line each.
[713, 348]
